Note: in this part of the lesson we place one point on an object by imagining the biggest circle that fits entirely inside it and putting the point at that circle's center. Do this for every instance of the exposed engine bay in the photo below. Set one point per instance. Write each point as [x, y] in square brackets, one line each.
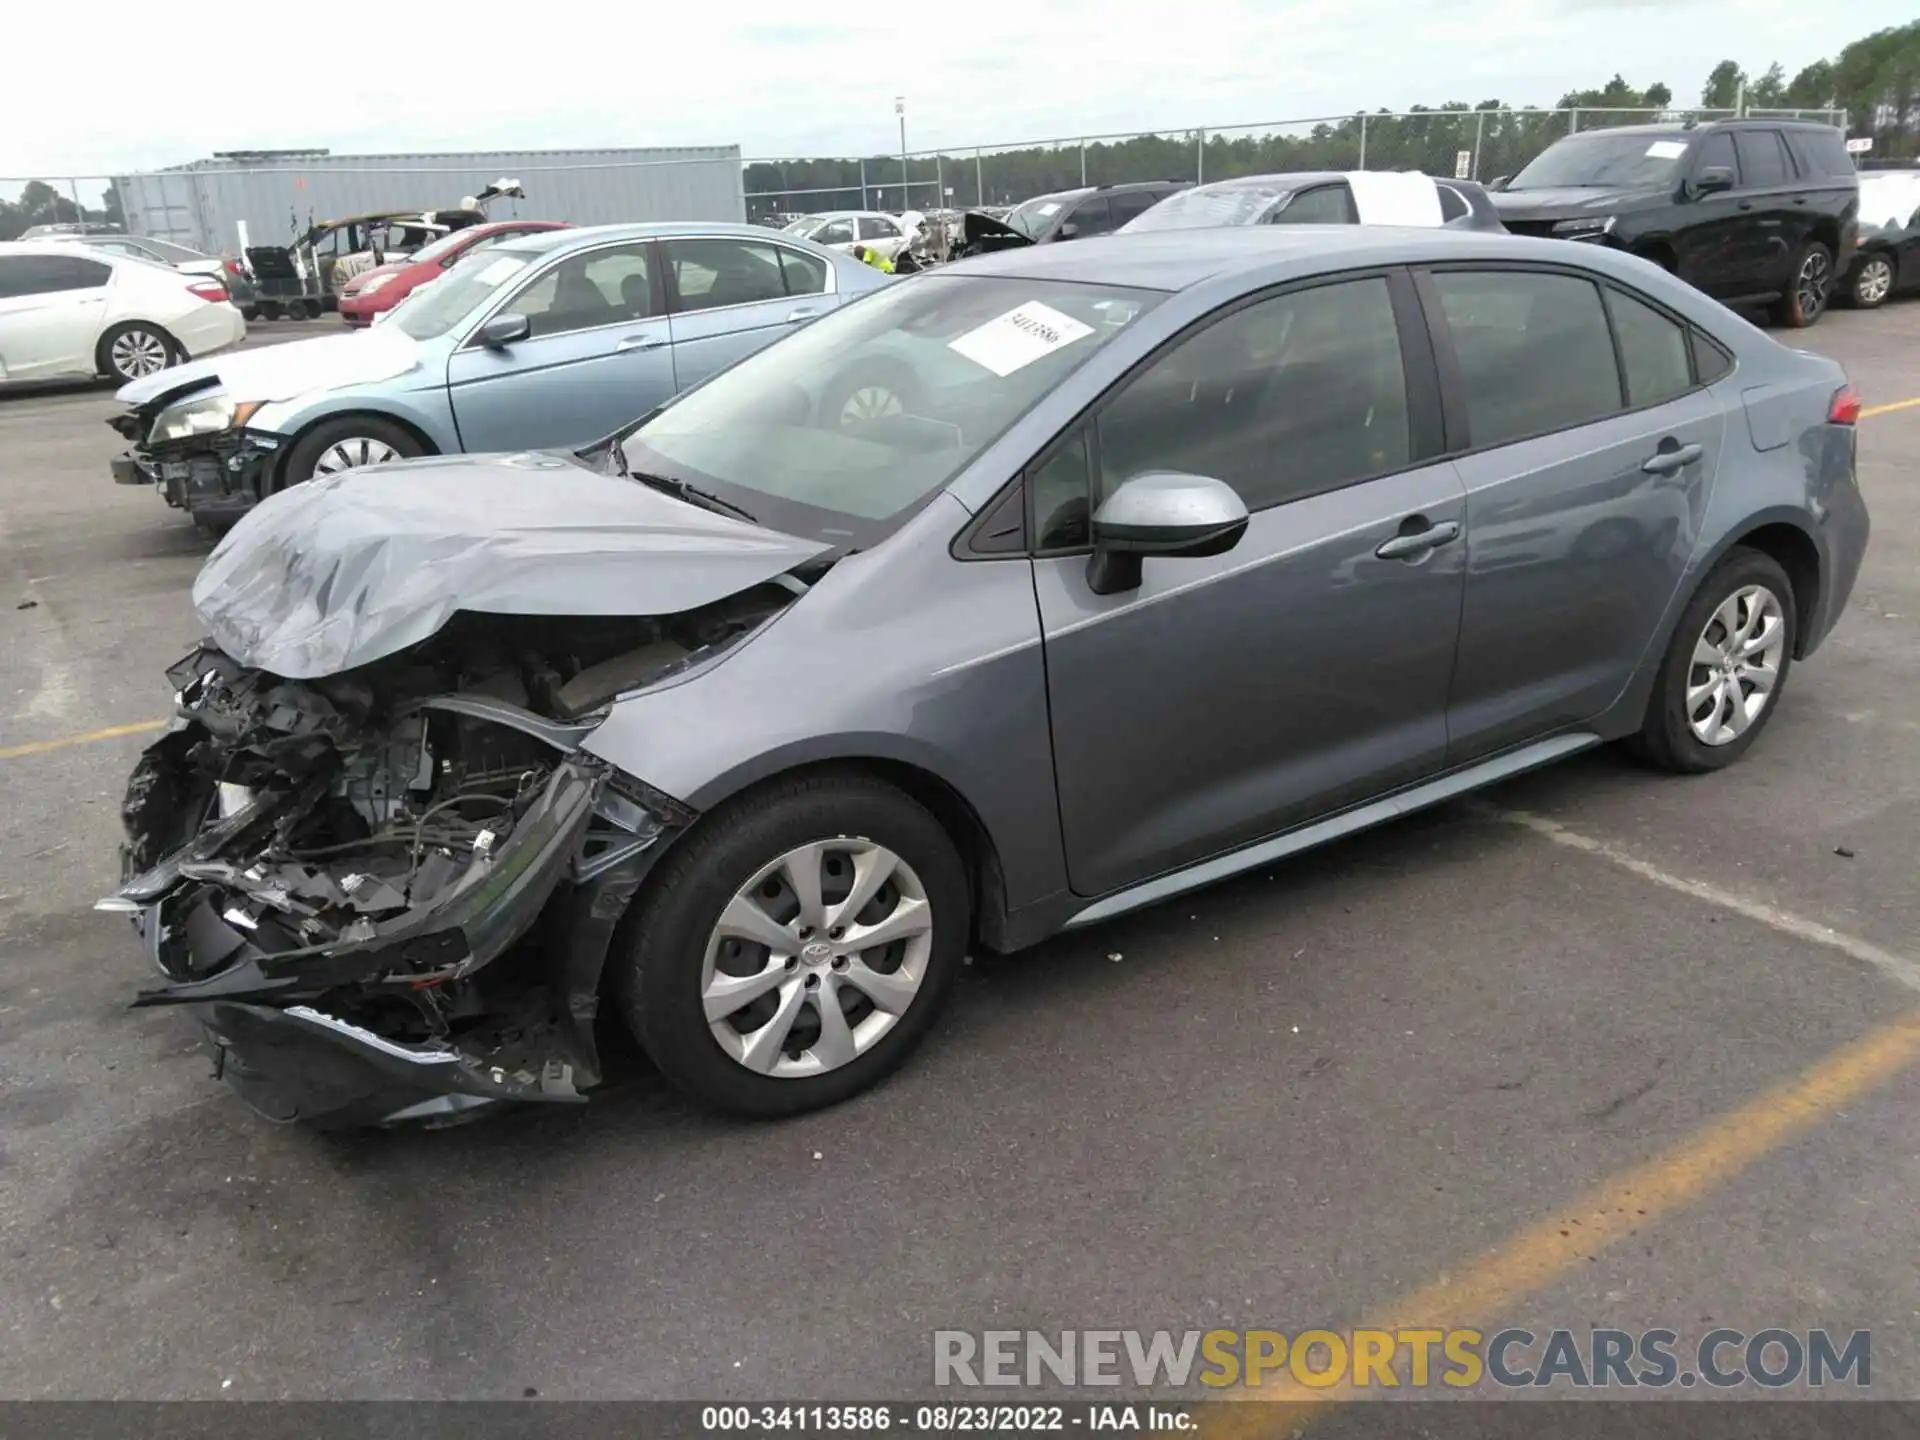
[389, 893]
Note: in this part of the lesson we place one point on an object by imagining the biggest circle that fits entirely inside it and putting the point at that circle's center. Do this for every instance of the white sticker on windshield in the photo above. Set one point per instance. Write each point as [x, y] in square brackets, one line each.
[1018, 338]
[1667, 149]
[501, 269]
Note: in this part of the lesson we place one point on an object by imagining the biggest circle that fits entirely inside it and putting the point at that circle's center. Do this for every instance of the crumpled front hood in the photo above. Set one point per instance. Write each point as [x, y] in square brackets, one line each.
[346, 569]
[1567, 202]
[280, 372]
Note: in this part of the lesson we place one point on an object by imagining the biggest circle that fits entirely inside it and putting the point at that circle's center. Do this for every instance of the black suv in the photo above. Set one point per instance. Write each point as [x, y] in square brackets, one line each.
[1064, 215]
[1747, 210]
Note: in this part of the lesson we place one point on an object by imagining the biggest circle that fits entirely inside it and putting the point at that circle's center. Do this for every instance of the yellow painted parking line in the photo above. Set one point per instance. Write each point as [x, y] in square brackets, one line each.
[1890, 407]
[112, 732]
[1534, 1257]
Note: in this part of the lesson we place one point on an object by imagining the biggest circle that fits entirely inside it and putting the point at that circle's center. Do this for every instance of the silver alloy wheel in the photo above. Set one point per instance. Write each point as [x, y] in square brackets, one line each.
[869, 402]
[816, 958]
[1873, 282]
[1736, 665]
[1816, 273]
[354, 452]
[136, 354]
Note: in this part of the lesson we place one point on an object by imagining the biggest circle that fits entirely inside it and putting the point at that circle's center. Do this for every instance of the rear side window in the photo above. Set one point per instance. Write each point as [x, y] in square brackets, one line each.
[1535, 351]
[1710, 362]
[1762, 160]
[50, 274]
[1820, 153]
[1653, 351]
[1453, 205]
[1322, 205]
[872, 227]
[805, 274]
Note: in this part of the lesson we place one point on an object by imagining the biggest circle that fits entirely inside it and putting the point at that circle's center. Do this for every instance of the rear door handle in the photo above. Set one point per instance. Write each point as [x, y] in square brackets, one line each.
[804, 313]
[1410, 547]
[1671, 462]
[640, 342]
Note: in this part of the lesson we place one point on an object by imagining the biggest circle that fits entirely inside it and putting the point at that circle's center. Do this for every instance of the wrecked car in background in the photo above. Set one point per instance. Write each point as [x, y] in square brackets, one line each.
[304, 279]
[1065, 215]
[542, 341]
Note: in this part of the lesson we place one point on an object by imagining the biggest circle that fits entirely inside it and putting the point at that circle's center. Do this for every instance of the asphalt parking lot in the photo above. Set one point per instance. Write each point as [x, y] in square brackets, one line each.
[1600, 1047]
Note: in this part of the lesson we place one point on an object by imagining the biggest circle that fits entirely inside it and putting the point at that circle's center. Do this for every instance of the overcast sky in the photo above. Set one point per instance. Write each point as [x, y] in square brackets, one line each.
[814, 78]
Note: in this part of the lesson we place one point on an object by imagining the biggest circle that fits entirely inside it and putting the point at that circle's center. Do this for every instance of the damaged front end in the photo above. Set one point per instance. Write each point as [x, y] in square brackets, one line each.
[388, 895]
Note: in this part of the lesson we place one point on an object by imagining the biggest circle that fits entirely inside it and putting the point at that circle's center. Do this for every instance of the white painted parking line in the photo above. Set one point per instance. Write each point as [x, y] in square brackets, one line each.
[1895, 967]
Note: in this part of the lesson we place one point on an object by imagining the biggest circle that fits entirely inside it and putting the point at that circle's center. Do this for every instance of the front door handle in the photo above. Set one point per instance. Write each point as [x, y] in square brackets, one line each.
[640, 342]
[1411, 547]
[804, 313]
[1670, 462]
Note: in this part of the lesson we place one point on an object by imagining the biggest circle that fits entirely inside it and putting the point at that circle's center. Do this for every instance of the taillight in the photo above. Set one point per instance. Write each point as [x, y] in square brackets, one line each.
[232, 266]
[1845, 406]
[211, 290]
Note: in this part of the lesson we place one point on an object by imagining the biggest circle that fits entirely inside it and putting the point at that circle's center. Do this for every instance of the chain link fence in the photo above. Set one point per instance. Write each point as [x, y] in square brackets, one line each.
[1470, 144]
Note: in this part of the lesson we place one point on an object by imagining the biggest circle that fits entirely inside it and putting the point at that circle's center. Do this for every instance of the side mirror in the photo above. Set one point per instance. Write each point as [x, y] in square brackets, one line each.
[1161, 513]
[504, 330]
[1713, 179]
[1069, 229]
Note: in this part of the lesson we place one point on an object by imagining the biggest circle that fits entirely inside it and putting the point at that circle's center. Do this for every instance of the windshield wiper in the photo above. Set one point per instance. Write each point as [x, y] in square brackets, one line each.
[693, 494]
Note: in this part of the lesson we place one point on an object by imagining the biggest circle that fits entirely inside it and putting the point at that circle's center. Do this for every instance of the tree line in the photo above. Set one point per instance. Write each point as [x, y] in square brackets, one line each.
[1875, 81]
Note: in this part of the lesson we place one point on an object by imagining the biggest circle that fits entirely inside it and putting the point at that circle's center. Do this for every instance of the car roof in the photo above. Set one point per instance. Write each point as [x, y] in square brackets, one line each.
[1180, 259]
[53, 245]
[581, 236]
[1675, 127]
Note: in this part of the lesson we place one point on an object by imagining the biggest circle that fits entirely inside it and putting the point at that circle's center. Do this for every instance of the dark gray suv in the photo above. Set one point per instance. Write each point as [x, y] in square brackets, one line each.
[1179, 553]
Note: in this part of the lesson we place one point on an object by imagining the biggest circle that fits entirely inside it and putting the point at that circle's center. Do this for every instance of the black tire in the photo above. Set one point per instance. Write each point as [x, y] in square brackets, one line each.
[315, 309]
[1809, 286]
[270, 311]
[1666, 738]
[658, 982]
[309, 450]
[1872, 281]
[249, 313]
[141, 332]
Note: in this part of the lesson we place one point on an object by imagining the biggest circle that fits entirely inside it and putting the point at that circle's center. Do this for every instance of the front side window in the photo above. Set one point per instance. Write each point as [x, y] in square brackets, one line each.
[588, 290]
[1322, 205]
[1653, 351]
[1130, 204]
[714, 274]
[1535, 351]
[1716, 152]
[1762, 161]
[1286, 398]
[957, 359]
[1091, 217]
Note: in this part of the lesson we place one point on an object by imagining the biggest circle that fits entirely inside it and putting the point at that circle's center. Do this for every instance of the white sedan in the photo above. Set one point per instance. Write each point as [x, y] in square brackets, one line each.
[66, 312]
[885, 235]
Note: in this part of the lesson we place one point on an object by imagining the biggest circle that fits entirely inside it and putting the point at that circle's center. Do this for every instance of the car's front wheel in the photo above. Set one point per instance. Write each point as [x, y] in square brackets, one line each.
[136, 350]
[349, 443]
[1725, 667]
[794, 948]
[1872, 281]
[1808, 288]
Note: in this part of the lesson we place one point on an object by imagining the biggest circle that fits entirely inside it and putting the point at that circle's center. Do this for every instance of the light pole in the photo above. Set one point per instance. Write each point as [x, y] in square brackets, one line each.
[906, 191]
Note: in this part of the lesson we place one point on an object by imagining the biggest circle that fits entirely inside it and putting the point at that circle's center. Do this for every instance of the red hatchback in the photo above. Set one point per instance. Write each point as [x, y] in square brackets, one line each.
[385, 286]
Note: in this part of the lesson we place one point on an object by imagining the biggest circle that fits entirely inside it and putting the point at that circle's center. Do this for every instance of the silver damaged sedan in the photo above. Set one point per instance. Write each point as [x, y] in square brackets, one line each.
[1152, 559]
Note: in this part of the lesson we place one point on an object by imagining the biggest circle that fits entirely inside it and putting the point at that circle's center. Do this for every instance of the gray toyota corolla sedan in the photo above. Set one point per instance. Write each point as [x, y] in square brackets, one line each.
[1168, 556]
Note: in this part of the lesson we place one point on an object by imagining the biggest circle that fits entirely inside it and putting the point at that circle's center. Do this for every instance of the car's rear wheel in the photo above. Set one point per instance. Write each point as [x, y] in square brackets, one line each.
[136, 350]
[349, 443]
[793, 950]
[1724, 669]
[1808, 289]
[1872, 281]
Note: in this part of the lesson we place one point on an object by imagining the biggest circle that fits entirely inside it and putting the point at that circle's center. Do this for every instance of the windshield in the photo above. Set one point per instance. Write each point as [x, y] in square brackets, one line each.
[806, 225]
[1031, 218]
[441, 246]
[850, 422]
[435, 309]
[1601, 160]
[1208, 205]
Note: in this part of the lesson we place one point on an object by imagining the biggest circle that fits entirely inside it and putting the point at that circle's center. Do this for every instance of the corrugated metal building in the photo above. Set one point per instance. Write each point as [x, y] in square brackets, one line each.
[279, 193]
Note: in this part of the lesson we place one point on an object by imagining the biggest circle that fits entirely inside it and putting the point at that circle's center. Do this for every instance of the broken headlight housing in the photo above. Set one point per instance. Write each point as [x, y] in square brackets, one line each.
[199, 415]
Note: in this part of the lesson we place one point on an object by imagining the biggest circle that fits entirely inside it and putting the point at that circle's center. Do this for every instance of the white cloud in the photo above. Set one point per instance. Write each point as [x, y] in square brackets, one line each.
[786, 79]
